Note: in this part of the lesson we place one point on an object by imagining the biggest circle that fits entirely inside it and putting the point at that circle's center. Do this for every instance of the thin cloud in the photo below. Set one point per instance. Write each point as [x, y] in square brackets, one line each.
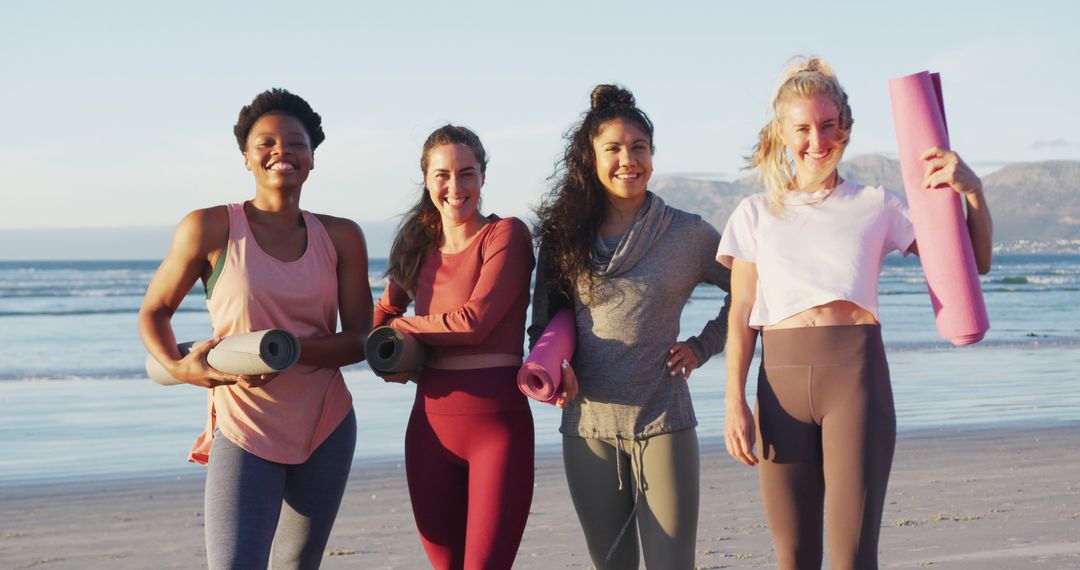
[514, 133]
[1043, 144]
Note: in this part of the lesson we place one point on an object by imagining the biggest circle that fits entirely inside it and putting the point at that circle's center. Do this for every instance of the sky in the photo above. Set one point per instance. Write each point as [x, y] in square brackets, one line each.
[120, 114]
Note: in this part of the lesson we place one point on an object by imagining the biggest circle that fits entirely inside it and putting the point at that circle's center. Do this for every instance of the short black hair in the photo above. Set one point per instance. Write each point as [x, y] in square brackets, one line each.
[282, 102]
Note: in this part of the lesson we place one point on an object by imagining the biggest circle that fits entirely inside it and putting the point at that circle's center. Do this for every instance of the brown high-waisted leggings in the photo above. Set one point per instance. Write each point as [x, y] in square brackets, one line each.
[827, 429]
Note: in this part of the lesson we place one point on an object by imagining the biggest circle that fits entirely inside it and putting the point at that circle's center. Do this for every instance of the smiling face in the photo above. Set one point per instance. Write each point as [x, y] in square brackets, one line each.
[623, 159]
[453, 181]
[278, 152]
[810, 129]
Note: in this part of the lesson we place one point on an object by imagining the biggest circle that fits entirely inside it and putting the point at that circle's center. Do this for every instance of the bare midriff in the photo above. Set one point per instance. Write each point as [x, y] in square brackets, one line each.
[473, 361]
[835, 313]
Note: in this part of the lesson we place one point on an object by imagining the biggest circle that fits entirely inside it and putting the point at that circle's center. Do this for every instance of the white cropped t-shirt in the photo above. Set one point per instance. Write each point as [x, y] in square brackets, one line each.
[818, 250]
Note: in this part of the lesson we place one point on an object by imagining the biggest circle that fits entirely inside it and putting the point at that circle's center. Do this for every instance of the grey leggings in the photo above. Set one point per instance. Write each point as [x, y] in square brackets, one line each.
[252, 503]
[655, 480]
[827, 429]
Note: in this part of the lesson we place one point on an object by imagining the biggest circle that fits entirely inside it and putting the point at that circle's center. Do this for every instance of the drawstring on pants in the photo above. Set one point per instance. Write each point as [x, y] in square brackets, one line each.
[618, 464]
[637, 468]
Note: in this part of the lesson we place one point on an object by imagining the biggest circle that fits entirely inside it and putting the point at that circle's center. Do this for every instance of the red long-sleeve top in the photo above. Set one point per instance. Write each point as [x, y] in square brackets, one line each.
[472, 301]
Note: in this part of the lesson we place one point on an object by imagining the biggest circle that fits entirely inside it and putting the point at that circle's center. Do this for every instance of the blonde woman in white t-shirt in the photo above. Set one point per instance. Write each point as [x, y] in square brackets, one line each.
[805, 258]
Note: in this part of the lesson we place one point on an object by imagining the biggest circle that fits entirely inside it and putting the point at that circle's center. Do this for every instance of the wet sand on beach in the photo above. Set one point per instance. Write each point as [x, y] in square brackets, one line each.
[987, 499]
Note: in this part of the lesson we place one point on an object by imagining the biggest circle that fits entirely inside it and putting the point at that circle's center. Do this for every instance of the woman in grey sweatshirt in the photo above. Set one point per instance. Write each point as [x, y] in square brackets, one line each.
[626, 264]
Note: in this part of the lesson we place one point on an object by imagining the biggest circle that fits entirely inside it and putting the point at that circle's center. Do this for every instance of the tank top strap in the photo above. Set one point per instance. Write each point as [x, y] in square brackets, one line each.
[237, 230]
[238, 225]
[319, 245]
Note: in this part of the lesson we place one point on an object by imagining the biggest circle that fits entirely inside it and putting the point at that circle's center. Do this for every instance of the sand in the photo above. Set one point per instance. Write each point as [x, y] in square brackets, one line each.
[986, 499]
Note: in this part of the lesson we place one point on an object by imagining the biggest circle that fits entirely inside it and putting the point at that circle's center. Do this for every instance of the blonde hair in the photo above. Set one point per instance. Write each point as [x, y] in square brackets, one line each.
[805, 77]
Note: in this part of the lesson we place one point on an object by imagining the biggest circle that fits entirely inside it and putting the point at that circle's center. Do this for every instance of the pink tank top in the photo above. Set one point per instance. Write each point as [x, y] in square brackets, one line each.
[286, 420]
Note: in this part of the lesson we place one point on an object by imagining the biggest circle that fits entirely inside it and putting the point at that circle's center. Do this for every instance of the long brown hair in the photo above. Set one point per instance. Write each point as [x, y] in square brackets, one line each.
[569, 216]
[421, 226]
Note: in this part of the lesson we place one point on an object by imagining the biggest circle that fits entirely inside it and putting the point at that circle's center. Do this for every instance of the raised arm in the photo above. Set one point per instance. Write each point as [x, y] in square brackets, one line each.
[354, 300]
[199, 236]
[946, 167]
[504, 274]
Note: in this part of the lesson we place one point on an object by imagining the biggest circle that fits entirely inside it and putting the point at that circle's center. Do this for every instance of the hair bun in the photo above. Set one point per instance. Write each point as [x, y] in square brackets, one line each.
[605, 96]
[807, 64]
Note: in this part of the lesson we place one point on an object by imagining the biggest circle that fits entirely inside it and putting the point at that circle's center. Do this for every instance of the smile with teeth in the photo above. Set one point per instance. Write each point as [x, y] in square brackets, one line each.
[281, 167]
[455, 202]
[628, 176]
[818, 155]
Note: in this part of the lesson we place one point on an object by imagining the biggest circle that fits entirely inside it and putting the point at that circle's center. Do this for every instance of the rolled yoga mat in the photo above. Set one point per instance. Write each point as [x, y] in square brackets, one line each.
[260, 352]
[390, 350]
[937, 213]
[540, 377]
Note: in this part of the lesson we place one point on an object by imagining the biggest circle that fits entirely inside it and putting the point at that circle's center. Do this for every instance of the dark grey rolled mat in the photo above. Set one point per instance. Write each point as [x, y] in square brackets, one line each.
[390, 350]
[259, 352]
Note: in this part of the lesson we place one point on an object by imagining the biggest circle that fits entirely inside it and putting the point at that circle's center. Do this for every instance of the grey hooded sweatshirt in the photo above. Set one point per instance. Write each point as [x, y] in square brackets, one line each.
[629, 319]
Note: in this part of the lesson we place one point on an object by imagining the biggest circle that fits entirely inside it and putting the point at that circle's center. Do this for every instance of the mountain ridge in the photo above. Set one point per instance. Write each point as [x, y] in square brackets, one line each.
[1030, 202]
[1035, 205]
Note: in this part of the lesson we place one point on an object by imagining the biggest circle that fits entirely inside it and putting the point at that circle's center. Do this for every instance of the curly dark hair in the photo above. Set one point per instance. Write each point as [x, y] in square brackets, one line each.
[282, 102]
[569, 216]
[421, 226]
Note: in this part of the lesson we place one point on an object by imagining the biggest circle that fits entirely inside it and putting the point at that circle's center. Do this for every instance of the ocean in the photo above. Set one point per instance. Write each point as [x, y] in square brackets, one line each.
[75, 403]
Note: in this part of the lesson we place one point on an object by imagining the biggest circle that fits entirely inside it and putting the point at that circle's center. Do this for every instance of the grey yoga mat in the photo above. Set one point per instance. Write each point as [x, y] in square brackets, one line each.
[260, 352]
[390, 350]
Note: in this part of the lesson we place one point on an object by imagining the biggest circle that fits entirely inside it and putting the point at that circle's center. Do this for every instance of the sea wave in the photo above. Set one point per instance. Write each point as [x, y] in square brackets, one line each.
[132, 373]
[19, 303]
[1054, 280]
[1033, 342]
[129, 374]
[58, 292]
[89, 311]
[96, 289]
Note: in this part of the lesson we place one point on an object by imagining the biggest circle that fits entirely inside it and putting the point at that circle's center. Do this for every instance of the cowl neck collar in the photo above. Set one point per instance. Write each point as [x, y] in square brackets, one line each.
[650, 223]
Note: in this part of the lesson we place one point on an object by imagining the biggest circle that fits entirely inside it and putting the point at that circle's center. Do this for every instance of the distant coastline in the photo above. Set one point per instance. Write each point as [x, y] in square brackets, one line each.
[1071, 246]
[1036, 209]
[113, 244]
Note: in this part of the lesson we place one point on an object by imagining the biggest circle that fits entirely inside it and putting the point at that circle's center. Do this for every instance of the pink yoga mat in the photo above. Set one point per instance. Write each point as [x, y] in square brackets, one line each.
[937, 213]
[540, 378]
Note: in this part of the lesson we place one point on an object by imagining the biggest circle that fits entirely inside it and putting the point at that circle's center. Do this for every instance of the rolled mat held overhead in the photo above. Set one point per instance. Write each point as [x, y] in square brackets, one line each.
[937, 213]
[390, 350]
[540, 377]
[260, 352]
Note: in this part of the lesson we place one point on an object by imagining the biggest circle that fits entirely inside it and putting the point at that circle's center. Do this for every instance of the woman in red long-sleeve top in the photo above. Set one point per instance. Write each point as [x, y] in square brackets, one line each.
[469, 444]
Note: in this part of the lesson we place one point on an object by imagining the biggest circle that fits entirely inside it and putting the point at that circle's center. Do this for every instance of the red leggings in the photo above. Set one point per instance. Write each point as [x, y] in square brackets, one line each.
[469, 462]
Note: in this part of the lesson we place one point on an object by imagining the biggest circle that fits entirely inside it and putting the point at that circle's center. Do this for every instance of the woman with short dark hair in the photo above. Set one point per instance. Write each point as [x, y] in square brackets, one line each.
[278, 446]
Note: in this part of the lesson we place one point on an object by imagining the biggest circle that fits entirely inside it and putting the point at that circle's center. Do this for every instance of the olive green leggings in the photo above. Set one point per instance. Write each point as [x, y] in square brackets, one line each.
[653, 480]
